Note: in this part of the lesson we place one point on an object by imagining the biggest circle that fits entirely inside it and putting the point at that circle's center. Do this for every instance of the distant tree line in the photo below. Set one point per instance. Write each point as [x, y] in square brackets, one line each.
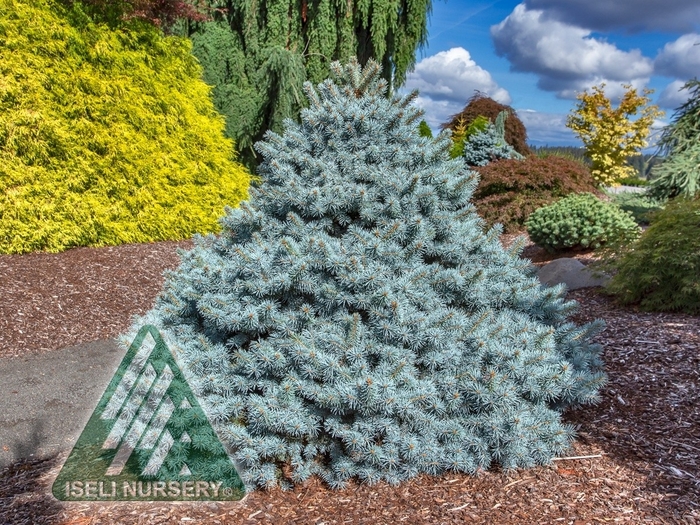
[641, 163]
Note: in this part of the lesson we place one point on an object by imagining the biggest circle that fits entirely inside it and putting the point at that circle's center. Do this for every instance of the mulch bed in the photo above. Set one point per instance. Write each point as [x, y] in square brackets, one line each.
[642, 439]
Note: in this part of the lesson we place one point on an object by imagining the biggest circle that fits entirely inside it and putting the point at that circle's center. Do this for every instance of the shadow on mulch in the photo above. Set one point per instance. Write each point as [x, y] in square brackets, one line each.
[25, 492]
[539, 255]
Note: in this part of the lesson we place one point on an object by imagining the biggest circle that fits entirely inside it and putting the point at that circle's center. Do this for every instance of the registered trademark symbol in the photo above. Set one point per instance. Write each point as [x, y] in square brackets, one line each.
[228, 491]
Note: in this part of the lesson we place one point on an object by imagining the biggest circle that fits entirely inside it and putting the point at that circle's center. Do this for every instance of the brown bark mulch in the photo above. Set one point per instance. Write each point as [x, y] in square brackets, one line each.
[636, 457]
[55, 300]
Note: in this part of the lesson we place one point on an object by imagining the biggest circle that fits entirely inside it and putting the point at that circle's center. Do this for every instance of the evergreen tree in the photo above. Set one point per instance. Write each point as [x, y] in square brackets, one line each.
[459, 135]
[356, 319]
[257, 54]
[424, 130]
[483, 147]
[679, 173]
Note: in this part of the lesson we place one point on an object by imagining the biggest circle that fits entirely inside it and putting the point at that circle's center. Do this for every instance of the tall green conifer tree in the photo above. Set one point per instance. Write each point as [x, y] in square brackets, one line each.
[679, 173]
[356, 319]
[258, 53]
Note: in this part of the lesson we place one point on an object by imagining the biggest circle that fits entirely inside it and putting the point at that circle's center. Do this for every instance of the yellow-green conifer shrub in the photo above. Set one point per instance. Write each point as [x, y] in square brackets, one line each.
[107, 136]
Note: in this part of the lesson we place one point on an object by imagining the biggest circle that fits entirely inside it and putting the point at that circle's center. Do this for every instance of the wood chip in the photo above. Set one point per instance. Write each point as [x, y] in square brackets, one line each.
[51, 301]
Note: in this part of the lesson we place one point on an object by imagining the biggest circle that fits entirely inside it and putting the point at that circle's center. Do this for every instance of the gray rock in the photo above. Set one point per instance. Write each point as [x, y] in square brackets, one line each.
[623, 189]
[571, 272]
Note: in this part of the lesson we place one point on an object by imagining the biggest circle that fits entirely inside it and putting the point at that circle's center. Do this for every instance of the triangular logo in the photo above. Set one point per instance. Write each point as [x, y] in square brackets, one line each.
[148, 439]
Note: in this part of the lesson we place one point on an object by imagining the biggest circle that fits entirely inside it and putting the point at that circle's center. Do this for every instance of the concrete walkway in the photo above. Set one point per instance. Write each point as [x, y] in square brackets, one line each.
[46, 399]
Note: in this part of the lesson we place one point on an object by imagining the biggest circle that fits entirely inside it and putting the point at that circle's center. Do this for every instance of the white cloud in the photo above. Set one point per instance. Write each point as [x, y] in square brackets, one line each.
[612, 91]
[566, 58]
[680, 58]
[446, 81]
[632, 15]
[547, 128]
[453, 75]
[672, 97]
[437, 111]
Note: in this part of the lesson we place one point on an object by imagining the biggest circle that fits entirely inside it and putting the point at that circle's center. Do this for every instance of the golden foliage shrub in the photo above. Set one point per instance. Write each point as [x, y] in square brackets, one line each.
[107, 136]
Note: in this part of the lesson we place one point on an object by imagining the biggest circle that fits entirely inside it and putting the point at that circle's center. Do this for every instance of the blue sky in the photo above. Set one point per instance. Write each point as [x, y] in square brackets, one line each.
[536, 55]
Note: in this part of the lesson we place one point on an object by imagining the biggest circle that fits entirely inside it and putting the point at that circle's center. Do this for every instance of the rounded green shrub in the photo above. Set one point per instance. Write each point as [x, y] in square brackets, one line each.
[661, 270]
[510, 190]
[107, 136]
[580, 221]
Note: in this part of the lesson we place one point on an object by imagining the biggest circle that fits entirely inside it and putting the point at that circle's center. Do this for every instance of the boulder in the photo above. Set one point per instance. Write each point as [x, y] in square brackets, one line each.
[571, 272]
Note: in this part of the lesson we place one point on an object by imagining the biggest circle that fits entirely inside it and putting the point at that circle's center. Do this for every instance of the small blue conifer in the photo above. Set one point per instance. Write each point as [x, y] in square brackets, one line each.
[489, 144]
[356, 319]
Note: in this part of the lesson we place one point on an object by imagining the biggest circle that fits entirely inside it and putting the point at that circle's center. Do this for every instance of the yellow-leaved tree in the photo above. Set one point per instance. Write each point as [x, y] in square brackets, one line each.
[608, 134]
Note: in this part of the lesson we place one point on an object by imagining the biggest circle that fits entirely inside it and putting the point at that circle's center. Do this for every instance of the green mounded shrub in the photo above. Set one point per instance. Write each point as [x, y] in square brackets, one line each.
[661, 270]
[580, 221]
[107, 136]
[356, 320]
[510, 190]
[640, 205]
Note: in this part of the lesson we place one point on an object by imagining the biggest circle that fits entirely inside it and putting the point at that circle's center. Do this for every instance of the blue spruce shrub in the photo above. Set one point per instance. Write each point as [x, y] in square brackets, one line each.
[356, 319]
[488, 145]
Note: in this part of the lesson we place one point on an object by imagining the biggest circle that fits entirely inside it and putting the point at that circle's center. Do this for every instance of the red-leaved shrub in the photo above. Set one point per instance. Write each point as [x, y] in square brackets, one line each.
[510, 189]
